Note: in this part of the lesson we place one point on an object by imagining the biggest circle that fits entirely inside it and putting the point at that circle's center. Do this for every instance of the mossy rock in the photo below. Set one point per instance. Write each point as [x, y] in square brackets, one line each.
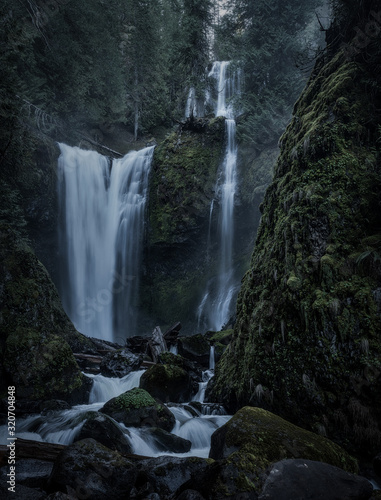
[137, 408]
[306, 341]
[28, 295]
[41, 366]
[264, 438]
[106, 431]
[168, 382]
[195, 348]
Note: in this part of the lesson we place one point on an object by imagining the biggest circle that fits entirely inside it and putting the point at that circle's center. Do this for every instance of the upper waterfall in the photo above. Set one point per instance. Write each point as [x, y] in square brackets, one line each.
[102, 207]
[216, 305]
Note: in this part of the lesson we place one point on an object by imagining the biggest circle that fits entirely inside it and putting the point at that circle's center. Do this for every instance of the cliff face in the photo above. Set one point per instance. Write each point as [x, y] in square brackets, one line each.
[182, 184]
[307, 341]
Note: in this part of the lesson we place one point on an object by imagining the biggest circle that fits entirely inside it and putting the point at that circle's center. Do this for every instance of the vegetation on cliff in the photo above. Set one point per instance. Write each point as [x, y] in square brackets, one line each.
[307, 339]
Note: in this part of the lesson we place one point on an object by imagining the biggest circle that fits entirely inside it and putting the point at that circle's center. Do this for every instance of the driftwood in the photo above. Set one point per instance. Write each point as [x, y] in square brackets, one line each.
[90, 357]
[157, 344]
[26, 448]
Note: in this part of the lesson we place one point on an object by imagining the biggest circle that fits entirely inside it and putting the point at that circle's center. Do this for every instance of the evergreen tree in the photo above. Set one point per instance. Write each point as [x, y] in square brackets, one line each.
[266, 38]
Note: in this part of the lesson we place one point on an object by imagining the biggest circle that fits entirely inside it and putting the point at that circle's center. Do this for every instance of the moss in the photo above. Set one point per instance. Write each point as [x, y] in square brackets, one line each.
[310, 295]
[42, 366]
[261, 438]
[135, 398]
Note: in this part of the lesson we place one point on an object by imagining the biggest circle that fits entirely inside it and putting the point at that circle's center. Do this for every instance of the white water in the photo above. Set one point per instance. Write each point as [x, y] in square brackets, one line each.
[101, 232]
[63, 426]
[206, 376]
[216, 304]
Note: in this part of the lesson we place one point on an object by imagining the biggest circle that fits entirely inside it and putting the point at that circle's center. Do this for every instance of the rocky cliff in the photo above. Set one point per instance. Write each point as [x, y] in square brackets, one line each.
[307, 339]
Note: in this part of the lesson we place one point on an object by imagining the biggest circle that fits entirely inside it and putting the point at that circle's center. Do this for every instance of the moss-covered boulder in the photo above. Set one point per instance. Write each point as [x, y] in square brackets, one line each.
[137, 408]
[168, 382]
[41, 366]
[195, 348]
[268, 438]
[307, 342]
[36, 336]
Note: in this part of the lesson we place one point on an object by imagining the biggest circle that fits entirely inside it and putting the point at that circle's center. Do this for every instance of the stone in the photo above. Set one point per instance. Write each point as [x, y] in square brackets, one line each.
[166, 475]
[169, 383]
[137, 408]
[195, 348]
[377, 464]
[106, 431]
[270, 438]
[165, 441]
[30, 472]
[120, 363]
[91, 470]
[308, 479]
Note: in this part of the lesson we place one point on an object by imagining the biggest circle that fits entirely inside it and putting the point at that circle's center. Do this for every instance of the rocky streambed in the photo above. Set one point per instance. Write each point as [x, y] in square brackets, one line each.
[146, 432]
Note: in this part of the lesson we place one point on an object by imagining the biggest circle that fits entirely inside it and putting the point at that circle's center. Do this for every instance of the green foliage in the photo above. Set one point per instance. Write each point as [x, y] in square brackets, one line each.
[266, 39]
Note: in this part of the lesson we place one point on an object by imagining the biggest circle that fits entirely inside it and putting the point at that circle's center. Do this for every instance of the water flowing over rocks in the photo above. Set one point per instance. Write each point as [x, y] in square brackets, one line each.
[106, 431]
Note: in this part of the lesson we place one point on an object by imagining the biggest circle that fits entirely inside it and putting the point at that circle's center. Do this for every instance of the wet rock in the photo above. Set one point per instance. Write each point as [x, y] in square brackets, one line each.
[91, 470]
[106, 431]
[165, 441]
[29, 472]
[315, 480]
[271, 438]
[168, 383]
[120, 363]
[137, 408]
[233, 478]
[195, 348]
[53, 405]
[377, 464]
[137, 344]
[190, 495]
[22, 492]
[165, 475]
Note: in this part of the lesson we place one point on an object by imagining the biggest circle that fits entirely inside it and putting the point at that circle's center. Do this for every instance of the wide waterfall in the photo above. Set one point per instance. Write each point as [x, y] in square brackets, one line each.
[216, 305]
[102, 205]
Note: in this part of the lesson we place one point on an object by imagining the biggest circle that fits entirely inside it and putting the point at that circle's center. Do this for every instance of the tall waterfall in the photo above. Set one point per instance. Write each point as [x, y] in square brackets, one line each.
[102, 219]
[216, 305]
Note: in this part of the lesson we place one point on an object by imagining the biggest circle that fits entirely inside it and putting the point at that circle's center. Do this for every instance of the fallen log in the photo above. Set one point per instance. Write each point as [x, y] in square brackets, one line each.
[157, 344]
[26, 448]
[89, 357]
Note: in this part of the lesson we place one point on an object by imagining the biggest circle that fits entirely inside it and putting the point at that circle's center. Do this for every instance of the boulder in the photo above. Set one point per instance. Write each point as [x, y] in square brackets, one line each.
[310, 479]
[106, 431]
[166, 475]
[168, 383]
[377, 464]
[165, 441]
[137, 408]
[30, 472]
[90, 470]
[270, 438]
[120, 363]
[195, 348]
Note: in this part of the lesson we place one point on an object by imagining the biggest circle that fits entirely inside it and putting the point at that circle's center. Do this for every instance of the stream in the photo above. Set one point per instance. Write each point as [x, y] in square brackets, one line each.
[63, 426]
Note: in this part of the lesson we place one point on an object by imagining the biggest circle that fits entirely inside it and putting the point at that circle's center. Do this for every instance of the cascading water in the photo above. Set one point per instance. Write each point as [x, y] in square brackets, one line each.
[102, 219]
[64, 426]
[206, 376]
[216, 304]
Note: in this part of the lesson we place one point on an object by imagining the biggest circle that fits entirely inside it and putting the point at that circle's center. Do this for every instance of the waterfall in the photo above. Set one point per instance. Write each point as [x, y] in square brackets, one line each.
[102, 208]
[216, 304]
[206, 376]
